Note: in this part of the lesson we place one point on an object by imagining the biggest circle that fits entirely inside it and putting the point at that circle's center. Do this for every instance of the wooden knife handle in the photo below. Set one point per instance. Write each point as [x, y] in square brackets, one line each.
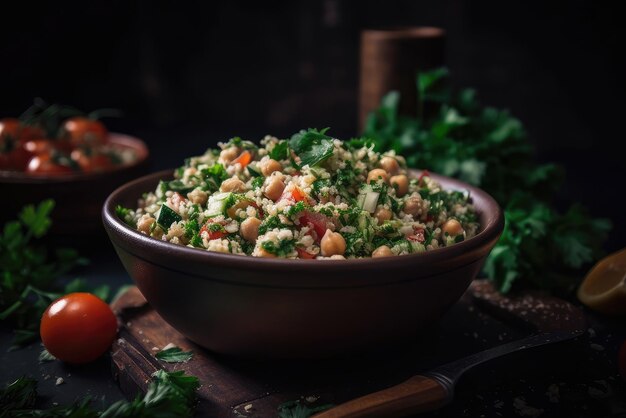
[418, 394]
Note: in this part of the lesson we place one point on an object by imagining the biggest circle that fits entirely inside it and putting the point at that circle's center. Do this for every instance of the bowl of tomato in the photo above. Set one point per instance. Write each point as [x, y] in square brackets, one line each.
[73, 159]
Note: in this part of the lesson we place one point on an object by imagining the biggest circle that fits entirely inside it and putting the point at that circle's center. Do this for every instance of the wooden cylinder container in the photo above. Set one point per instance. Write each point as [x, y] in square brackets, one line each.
[390, 60]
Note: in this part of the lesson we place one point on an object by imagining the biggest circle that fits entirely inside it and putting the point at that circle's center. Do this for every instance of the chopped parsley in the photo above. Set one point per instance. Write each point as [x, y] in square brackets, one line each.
[312, 146]
[282, 249]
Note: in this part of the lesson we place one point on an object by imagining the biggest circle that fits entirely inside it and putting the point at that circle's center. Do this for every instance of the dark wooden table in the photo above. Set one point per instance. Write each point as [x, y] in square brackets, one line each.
[574, 379]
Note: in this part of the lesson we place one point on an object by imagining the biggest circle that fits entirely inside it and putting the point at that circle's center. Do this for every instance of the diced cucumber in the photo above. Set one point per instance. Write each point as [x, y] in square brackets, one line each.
[167, 216]
[217, 204]
[180, 187]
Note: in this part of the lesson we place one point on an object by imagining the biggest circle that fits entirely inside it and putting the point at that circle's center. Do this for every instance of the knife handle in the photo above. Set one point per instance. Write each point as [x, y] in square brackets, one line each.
[418, 394]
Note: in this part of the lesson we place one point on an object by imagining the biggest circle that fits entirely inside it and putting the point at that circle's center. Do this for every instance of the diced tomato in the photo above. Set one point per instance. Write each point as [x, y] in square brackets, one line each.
[304, 254]
[294, 195]
[316, 221]
[259, 210]
[420, 179]
[212, 234]
[418, 235]
[243, 159]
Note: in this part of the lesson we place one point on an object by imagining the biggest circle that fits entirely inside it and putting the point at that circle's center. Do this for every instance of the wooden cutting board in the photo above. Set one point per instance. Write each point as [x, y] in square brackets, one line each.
[234, 387]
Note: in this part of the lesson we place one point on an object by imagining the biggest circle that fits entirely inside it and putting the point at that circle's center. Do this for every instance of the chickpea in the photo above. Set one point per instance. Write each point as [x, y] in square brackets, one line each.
[263, 253]
[400, 183]
[198, 196]
[275, 187]
[452, 227]
[383, 214]
[390, 165]
[145, 223]
[332, 244]
[269, 166]
[229, 154]
[249, 229]
[377, 173]
[232, 184]
[382, 251]
[413, 205]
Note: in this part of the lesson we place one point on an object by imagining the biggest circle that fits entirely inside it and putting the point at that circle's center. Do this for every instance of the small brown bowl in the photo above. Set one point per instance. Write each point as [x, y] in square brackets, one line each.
[258, 307]
[79, 197]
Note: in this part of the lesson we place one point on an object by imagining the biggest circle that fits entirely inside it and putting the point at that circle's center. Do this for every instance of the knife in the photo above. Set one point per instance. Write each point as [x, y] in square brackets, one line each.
[553, 320]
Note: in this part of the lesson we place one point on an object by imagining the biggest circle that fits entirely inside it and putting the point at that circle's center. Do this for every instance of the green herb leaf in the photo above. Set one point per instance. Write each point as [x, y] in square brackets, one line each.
[312, 146]
[174, 355]
[169, 395]
[37, 219]
[280, 151]
[298, 409]
[540, 246]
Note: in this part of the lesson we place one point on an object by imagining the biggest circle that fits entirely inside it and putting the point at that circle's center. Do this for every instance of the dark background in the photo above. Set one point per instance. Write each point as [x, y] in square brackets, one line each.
[187, 74]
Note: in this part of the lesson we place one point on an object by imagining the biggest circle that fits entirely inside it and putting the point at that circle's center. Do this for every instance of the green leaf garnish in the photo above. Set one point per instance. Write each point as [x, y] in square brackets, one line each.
[312, 146]
[174, 355]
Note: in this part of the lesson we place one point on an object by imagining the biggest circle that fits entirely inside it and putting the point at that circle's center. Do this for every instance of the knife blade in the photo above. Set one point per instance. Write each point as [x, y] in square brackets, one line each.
[553, 320]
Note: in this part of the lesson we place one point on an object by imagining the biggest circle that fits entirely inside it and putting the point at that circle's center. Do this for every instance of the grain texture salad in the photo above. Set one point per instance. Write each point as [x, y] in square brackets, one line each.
[310, 197]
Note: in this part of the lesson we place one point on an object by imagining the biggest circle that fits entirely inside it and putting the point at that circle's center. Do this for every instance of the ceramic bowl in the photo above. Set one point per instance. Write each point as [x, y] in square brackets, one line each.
[79, 197]
[258, 307]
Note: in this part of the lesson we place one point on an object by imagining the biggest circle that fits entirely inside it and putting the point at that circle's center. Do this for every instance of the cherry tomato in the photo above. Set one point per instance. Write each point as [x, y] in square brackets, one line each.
[621, 360]
[91, 161]
[38, 146]
[19, 158]
[212, 234]
[13, 129]
[9, 130]
[78, 328]
[316, 221]
[44, 164]
[80, 130]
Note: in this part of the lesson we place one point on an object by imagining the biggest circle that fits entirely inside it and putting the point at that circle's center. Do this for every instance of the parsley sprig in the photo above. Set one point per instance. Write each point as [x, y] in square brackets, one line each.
[454, 135]
[31, 275]
[170, 394]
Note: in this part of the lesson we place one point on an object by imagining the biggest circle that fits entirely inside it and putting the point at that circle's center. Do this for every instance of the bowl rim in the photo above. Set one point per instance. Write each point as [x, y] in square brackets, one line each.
[124, 140]
[489, 233]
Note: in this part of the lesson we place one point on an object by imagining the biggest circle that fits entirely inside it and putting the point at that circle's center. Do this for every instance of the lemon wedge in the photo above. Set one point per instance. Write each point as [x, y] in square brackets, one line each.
[604, 287]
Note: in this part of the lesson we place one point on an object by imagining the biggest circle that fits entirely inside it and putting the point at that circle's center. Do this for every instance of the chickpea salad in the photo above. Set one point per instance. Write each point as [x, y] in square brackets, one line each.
[309, 197]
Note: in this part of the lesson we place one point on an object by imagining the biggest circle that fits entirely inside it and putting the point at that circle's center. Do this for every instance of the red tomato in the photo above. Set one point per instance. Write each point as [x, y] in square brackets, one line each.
[294, 195]
[78, 328]
[80, 130]
[243, 159]
[212, 234]
[91, 162]
[9, 129]
[621, 360]
[418, 235]
[38, 146]
[13, 129]
[19, 159]
[316, 221]
[43, 164]
[305, 255]
[425, 173]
